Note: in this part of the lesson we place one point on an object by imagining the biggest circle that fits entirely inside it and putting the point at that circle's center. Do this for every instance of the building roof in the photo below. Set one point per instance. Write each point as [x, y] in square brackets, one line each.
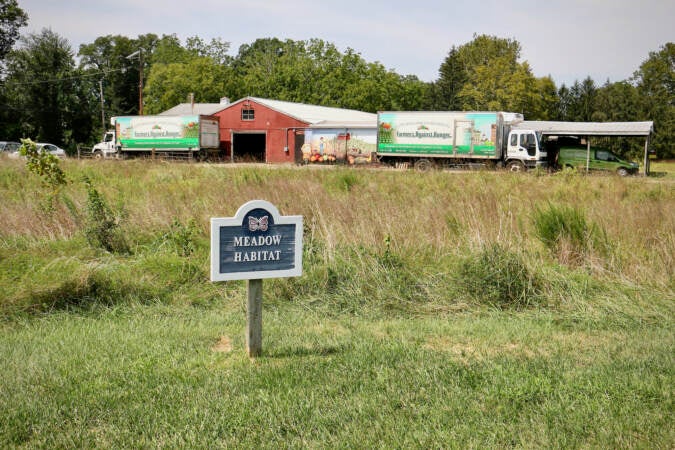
[329, 124]
[589, 128]
[186, 109]
[316, 115]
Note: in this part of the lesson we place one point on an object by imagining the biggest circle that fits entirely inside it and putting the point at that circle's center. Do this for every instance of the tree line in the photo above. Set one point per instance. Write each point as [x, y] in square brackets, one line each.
[49, 93]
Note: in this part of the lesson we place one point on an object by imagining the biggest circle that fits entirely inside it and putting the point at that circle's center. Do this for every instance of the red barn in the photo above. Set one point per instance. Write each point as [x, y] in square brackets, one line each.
[261, 130]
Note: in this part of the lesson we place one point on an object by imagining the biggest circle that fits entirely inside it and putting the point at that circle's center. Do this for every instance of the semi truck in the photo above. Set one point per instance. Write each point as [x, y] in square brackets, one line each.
[445, 138]
[194, 135]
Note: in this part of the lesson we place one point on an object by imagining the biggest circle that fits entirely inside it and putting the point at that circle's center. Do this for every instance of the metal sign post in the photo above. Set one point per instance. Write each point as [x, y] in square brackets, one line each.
[256, 243]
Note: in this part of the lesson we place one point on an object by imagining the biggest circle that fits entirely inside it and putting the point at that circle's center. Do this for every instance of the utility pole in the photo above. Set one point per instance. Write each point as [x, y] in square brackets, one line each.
[139, 53]
[100, 86]
[140, 83]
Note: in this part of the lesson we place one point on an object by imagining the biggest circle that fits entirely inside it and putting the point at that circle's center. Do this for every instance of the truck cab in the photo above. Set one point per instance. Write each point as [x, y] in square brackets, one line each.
[107, 147]
[524, 151]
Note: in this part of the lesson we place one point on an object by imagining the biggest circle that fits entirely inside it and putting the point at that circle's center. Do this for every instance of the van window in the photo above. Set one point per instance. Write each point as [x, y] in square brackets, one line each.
[604, 155]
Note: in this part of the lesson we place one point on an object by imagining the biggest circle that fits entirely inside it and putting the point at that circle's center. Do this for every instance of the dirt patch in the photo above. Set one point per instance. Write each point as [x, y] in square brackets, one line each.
[467, 351]
[224, 345]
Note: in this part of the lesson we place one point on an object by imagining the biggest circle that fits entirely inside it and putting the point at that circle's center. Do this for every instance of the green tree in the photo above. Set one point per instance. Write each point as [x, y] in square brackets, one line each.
[197, 68]
[170, 84]
[617, 102]
[316, 72]
[500, 84]
[11, 19]
[564, 102]
[547, 102]
[216, 49]
[50, 98]
[581, 105]
[452, 77]
[656, 86]
[107, 60]
[620, 102]
[485, 74]
[265, 69]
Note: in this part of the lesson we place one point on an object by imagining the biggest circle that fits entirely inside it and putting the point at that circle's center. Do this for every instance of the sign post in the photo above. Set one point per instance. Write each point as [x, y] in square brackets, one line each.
[256, 243]
[254, 318]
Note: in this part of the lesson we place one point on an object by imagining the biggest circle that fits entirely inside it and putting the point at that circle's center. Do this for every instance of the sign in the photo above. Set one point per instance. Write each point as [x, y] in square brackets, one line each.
[256, 243]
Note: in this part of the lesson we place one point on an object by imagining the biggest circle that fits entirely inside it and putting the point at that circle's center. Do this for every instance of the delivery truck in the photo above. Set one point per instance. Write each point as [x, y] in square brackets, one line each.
[193, 135]
[469, 139]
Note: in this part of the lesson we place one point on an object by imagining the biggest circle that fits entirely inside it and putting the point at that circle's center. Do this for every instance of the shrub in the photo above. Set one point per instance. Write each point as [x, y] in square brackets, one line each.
[183, 237]
[46, 166]
[102, 224]
[567, 233]
[43, 164]
[498, 277]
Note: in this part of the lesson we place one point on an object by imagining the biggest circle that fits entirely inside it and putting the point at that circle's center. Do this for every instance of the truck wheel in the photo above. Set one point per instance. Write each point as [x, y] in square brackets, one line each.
[515, 166]
[622, 172]
[98, 154]
[423, 165]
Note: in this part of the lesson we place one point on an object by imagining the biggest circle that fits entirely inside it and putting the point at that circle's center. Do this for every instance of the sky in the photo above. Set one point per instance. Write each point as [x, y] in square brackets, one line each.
[567, 40]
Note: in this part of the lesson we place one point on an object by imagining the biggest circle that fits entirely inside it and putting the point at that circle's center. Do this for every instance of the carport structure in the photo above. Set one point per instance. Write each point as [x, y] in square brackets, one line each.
[595, 129]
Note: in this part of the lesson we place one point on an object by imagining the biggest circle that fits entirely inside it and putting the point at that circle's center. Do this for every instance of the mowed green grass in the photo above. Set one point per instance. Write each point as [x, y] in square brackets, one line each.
[379, 344]
[160, 376]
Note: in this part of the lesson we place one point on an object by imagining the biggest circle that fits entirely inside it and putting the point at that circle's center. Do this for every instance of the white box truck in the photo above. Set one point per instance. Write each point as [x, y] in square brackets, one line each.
[195, 135]
[460, 138]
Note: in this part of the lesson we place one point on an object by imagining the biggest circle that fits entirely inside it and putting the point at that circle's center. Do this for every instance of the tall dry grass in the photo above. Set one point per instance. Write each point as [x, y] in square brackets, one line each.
[430, 214]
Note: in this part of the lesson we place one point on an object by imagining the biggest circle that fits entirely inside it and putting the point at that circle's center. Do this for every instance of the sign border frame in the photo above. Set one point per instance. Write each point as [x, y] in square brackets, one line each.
[237, 220]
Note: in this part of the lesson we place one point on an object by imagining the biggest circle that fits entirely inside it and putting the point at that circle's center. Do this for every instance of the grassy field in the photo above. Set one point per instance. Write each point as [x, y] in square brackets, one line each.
[436, 310]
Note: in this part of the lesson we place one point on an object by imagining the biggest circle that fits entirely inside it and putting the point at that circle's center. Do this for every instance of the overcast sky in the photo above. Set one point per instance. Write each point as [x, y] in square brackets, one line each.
[569, 40]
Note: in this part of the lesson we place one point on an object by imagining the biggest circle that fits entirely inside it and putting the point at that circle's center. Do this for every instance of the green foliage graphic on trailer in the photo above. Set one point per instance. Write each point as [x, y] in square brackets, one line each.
[437, 134]
[148, 132]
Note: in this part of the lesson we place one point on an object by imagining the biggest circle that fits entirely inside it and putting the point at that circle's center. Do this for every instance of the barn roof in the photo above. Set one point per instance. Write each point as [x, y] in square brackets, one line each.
[316, 115]
[590, 128]
[187, 109]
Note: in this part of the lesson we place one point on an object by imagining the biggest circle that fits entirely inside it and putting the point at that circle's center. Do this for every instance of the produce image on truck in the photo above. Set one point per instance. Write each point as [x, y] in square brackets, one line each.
[470, 139]
[194, 135]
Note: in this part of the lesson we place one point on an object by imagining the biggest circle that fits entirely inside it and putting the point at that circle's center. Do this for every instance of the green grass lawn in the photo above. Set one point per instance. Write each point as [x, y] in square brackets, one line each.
[163, 376]
[467, 318]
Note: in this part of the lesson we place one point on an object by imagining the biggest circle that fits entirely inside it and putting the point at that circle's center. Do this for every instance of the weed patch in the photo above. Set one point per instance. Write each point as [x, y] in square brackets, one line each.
[498, 277]
[568, 234]
[102, 227]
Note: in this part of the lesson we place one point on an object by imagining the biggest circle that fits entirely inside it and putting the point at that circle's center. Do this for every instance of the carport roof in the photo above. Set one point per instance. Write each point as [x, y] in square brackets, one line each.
[589, 128]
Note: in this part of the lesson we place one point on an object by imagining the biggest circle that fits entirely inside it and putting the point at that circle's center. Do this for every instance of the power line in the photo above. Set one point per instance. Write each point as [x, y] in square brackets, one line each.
[58, 80]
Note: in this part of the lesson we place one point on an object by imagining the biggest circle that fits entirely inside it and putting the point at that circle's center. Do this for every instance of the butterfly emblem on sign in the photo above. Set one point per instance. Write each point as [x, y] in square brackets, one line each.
[258, 224]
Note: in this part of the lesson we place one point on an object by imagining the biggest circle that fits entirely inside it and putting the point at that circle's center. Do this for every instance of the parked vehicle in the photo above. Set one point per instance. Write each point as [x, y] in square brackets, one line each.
[579, 157]
[197, 135]
[9, 146]
[427, 139]
[51, 148]
[42, 147]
